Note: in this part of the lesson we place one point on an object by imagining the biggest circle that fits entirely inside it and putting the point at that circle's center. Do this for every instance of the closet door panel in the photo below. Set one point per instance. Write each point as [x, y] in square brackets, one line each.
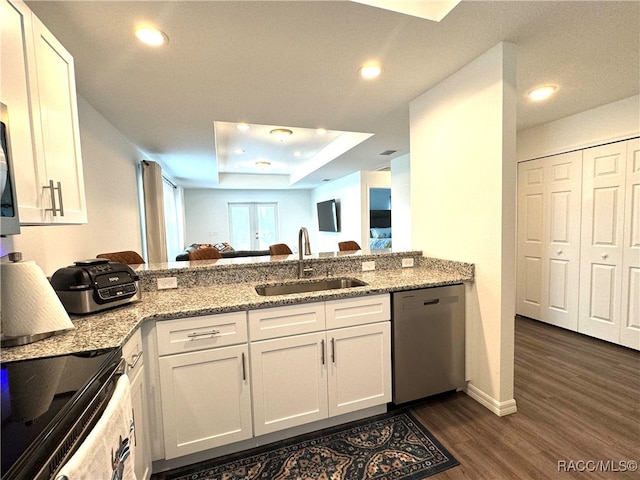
[564, 192]
[601, 256]
[630, 322]
[530, 263]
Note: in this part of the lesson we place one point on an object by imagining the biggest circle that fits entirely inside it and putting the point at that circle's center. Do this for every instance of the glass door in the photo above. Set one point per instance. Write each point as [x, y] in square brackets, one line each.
[253, 226]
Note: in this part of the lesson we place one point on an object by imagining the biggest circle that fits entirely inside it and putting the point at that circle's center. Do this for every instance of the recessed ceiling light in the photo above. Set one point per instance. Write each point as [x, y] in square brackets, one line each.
[151, 36]
[281, 133]
[542, 93]
[370, 71]
[321, 131]
[238, 151]
[262, 163]
[243, 126]
[297, 154]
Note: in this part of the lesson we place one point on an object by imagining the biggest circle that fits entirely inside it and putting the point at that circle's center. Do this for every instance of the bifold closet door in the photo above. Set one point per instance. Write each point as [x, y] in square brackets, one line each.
[602, 241]
[549, 203]
[630, 321]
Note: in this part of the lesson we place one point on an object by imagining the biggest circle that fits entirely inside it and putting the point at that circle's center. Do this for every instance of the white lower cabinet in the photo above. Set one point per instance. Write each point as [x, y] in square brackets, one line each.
[204, 382]
[132, 353]
[219, 384]
[289, 382]
[359, 360]
[206, 401]
[303, 378]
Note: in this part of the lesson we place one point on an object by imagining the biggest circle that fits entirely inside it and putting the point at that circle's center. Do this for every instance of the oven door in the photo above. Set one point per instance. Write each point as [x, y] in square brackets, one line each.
[49, 405]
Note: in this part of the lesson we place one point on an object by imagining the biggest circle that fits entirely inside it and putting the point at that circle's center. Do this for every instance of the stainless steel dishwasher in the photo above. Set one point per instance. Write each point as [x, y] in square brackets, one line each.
[428, 342]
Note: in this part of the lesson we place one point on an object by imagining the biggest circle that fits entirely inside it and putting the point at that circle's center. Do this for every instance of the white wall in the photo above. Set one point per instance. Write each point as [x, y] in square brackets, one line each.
[109, 163]
[207, 214]
[615, 121]
[463, 179]
[401, 202]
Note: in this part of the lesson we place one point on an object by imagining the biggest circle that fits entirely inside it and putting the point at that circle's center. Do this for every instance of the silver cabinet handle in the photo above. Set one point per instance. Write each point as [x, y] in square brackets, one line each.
[244, 368]
[52, 192]
[134, 360]
[559, 252]
[196, 335]
[322, 351]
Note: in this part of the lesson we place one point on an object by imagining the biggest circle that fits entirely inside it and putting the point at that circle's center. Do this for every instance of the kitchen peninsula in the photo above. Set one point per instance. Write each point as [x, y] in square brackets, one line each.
[227, 285]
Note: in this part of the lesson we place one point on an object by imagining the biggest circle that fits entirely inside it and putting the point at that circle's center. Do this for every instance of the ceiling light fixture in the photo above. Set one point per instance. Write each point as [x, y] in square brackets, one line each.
[243, 127]
[281, 133]
[151, 36]
[262, 163]
[542, 93]
[370, 71]
[321, 131]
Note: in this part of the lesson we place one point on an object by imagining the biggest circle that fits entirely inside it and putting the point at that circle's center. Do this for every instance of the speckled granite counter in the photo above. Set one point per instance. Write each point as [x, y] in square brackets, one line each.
[111, 328]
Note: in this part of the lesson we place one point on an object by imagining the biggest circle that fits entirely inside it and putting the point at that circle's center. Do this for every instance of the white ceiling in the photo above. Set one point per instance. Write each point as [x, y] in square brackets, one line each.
[294, 64]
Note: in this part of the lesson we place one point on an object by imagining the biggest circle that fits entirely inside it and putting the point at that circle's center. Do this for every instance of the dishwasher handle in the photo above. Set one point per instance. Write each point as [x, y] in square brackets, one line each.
[435, 301]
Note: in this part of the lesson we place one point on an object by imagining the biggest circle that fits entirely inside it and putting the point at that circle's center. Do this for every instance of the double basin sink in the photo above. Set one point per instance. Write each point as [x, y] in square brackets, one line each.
[309, 286]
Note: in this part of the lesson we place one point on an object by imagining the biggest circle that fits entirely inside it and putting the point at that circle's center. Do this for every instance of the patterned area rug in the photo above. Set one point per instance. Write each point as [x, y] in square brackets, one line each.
[393, 446]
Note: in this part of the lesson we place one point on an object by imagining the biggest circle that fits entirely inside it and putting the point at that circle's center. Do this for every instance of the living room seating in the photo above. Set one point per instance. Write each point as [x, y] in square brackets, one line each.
[280, 249]
[224, 248]
[127, 256]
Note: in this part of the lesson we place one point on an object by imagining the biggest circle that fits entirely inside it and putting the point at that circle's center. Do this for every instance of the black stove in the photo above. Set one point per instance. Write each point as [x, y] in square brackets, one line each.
[42, 400]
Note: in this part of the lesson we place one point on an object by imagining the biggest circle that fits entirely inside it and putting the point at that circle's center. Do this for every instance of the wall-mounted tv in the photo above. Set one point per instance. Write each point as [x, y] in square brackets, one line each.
[328, 216]
[9, 222]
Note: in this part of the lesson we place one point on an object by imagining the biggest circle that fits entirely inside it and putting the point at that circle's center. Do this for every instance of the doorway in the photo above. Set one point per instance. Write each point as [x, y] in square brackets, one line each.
[253, 226]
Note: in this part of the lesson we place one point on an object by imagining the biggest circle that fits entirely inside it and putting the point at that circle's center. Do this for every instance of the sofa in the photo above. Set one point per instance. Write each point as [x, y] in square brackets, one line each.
[225, 249]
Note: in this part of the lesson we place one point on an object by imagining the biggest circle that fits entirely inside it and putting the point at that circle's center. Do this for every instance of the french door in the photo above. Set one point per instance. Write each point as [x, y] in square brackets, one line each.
[253, 226]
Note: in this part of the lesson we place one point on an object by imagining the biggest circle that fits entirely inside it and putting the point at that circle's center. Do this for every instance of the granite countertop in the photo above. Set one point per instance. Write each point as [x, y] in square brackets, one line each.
[111, 328]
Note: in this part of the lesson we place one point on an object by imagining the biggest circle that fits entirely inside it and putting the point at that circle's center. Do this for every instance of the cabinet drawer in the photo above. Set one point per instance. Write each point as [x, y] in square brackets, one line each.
[290, 320]
[132, 353]
[197, 333]
[347, 312]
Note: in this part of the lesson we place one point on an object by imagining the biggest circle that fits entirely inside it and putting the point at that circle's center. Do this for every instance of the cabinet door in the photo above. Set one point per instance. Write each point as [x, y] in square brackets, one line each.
[630, 322]
[206, 399]
[602, 241]
[288, 381]
[18, 91]
[59, 128]
[132, 353]
[359, 367]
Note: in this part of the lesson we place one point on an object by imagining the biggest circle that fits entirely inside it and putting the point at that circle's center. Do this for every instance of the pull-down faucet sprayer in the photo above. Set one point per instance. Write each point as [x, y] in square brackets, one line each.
[307, 251]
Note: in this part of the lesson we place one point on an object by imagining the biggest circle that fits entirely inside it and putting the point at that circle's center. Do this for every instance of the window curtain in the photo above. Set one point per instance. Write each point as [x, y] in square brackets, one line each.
[152, 185]
[172, 206]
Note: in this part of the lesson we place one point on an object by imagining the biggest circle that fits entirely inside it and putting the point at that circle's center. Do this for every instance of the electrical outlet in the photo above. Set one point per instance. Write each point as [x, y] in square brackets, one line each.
[407, 262]
[167, 282]
[368, 266]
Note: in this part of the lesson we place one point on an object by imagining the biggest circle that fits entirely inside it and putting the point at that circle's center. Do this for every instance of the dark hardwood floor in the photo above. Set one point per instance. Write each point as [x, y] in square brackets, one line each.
[578, 401]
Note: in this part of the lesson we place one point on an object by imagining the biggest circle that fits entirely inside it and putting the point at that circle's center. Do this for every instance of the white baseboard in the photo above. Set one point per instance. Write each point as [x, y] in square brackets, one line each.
[499, 408]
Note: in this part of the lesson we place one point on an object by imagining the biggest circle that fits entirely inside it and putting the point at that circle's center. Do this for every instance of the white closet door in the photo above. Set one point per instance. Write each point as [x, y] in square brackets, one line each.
[630, 322]
[530, 264]
[602, 241]
[563, 203]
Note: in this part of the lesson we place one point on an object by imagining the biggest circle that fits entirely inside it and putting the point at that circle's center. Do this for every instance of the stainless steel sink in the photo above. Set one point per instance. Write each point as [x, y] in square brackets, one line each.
[309, 286]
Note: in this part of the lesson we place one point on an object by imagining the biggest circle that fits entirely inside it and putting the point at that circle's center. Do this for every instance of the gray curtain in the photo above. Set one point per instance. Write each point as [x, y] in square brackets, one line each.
[154, 212]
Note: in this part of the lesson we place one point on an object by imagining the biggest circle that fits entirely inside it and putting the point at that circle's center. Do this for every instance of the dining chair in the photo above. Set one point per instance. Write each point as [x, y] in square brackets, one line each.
[348, 245]
[206, 253]
[126, 256]
[280, 249]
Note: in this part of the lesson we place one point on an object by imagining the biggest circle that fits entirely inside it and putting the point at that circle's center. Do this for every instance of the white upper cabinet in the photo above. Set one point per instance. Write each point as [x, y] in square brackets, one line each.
[38, 87]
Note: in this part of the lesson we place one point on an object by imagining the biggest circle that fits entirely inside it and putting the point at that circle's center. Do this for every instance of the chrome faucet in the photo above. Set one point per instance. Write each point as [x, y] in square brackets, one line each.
[307, 251]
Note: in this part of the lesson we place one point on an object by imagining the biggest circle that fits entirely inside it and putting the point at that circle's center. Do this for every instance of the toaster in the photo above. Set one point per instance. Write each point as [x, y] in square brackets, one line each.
[96, 284]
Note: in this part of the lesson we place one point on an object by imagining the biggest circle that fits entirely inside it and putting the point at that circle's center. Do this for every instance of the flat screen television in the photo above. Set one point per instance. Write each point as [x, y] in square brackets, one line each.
[328, 216]
[9, 222]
